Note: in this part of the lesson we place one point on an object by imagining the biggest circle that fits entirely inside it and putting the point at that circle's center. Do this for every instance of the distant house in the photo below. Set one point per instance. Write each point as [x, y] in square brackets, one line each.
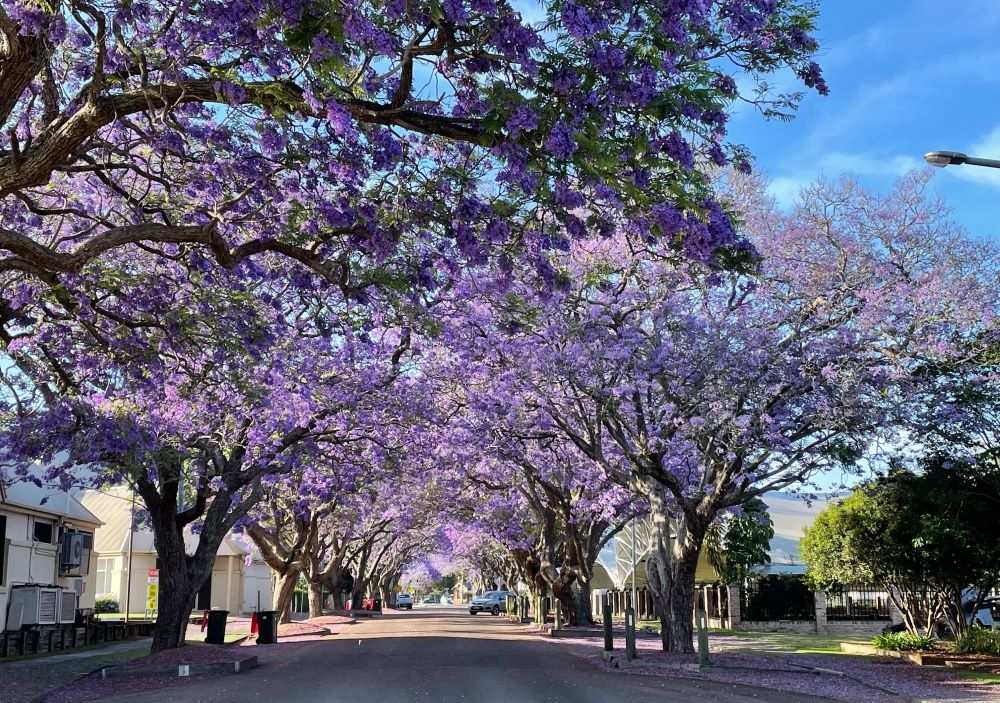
[240, 579]
[46, 537]
[789, 513]
[461, 592]
[614, 567]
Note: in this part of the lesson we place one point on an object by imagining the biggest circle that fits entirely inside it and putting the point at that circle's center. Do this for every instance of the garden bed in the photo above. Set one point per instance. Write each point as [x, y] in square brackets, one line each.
[937, 657]
[831, 676]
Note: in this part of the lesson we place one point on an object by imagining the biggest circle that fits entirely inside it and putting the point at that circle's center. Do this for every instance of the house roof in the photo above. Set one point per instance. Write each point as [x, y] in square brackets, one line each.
[114, 506]
[49, 500]
[142, 543]
[786, 569]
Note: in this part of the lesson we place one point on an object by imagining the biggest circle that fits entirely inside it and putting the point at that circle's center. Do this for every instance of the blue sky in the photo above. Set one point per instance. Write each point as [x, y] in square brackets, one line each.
[906, 77]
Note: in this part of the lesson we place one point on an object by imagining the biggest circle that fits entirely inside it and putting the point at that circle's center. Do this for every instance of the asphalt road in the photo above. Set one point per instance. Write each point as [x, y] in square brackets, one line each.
[444, 654]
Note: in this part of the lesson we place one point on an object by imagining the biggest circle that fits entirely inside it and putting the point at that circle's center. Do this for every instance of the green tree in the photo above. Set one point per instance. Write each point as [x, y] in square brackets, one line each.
[925, 536]
[739, 542]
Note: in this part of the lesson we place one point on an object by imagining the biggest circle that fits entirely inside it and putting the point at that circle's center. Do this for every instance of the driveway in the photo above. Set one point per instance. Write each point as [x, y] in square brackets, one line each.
[444, 654]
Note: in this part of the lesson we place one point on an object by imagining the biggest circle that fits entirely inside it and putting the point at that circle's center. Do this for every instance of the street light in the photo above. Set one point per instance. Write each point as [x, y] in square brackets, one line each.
[957, 158]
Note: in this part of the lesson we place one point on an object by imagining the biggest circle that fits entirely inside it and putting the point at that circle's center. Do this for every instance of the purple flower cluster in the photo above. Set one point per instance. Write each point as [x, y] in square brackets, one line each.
[578, 21]
[560, 142]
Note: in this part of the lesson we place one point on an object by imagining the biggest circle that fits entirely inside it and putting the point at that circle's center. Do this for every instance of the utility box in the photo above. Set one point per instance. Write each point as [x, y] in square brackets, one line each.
[216, 627]
[67, 607]
[267, 627]
[38, 605]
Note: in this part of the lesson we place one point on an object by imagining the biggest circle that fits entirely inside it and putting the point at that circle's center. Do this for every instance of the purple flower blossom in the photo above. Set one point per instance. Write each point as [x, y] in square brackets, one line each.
[578, 21]
[522, 120]
[560, 142]
[812, 75]
[271, 142]
[679, 150]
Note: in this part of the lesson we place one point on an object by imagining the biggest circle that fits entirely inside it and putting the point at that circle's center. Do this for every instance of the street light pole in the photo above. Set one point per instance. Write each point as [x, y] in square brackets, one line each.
[634, 562]
[957, 158]
[128, 578]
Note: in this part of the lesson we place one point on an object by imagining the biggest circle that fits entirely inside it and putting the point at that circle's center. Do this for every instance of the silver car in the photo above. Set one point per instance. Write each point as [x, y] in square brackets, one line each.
[492, 602]
[404, 601]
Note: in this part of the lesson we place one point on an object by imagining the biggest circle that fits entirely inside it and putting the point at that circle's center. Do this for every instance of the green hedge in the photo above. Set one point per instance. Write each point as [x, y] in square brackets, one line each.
[903, 641]
[979, 640]
[106, 605]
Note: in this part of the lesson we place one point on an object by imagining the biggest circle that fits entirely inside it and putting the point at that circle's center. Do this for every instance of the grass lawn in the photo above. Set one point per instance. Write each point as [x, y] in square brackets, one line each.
[791, 642]
[785, 642]
[121, 616]
[776, 642]
[979, 676]
[24, 678]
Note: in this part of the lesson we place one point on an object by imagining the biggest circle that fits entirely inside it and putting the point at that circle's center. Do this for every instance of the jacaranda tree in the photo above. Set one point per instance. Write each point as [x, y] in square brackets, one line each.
[204, 207]
[200, 394]
[717, 388]
[317, 129]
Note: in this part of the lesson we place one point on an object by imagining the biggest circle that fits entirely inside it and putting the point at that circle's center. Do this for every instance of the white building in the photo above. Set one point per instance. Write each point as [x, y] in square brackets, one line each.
[46, 537]
[240, 579]
[790, 514]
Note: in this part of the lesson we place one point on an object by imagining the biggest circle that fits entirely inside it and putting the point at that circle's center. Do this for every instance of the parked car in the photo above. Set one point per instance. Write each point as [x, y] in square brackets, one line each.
[429, 599]
[492, 602]
[404, 601]
[446, 600]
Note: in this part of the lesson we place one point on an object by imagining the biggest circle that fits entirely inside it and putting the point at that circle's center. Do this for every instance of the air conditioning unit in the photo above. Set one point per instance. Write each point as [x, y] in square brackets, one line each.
[75, 557]
[67, 606]
[39, 605]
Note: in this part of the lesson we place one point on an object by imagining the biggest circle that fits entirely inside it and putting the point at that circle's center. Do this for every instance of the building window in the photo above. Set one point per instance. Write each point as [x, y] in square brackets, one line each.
[43, 532]
[105, 579]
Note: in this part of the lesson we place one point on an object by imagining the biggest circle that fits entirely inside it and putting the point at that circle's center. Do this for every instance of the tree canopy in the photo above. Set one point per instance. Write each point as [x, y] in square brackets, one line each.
[925, 536]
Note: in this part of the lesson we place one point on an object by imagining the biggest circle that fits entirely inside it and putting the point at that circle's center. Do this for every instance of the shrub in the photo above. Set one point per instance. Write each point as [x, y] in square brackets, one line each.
[903, 641]
[106, 605]
[979, 640]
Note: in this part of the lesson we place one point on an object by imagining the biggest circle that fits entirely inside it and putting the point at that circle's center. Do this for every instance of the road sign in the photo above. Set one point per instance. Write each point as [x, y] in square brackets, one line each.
[153, 573]
[152, 594]
[397, 588]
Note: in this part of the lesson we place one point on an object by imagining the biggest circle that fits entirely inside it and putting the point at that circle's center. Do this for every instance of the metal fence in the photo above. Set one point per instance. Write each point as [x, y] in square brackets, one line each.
[714, 599]
[777, 597]
[619, 600]
[857, 602]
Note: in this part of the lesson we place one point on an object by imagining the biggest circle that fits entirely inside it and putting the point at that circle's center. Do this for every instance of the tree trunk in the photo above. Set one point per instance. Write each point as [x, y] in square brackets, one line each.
[658, 560]
[315, 599]
[174, 609]
[181, 577]
[681, 591]
[358, 592]
[584, 606]
[338, 600]
[561, 584]
[284, 591]
[388, 593]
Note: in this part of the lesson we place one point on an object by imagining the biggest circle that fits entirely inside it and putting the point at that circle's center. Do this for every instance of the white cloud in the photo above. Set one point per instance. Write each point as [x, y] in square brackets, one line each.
[868, 164]
[786, 188]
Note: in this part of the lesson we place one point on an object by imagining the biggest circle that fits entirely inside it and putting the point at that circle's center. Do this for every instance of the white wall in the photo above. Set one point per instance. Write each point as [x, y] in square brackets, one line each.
[257, 578]
[28, 561]
[36, 562]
